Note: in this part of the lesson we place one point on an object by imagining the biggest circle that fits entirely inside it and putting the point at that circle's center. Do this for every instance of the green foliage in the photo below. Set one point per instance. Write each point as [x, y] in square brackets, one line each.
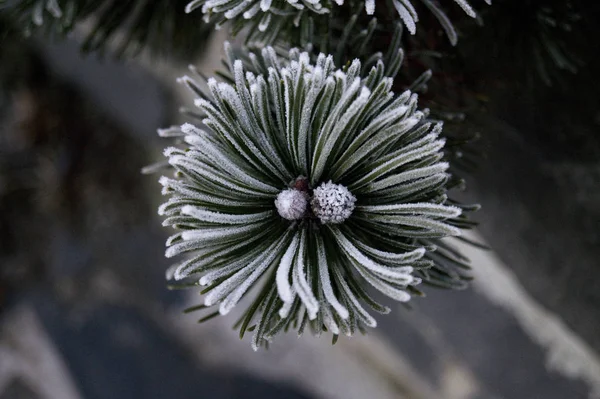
[307, 184]
[127, 27]
[268, 21]
[535, 42]
[370, 206]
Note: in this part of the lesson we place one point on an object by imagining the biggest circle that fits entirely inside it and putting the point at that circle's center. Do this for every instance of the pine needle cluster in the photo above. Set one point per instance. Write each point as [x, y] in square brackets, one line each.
[312, 183]
[269, 20]
[306, 186]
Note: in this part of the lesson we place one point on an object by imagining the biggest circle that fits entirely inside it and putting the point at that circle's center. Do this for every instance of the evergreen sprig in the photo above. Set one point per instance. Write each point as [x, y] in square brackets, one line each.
[127, 27]
[269, 20]
[537, 41]
[315, 183]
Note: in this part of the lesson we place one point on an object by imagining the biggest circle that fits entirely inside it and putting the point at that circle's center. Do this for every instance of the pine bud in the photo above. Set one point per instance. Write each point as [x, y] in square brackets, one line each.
[332, 203]
[291, 204]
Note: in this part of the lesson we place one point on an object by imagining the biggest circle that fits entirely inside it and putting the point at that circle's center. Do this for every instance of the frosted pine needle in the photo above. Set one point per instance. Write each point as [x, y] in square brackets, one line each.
[271, 18]
[307, 188]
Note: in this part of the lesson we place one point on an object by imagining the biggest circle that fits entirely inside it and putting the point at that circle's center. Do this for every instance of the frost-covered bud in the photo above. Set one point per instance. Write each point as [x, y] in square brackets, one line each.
[292, 204]
[332, 203]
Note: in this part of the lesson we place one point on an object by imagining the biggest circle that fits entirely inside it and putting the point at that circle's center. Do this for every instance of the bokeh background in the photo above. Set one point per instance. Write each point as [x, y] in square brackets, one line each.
[84, 308]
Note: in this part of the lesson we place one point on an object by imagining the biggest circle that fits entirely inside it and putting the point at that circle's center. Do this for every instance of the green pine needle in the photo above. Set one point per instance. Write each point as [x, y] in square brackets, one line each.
[325, 181]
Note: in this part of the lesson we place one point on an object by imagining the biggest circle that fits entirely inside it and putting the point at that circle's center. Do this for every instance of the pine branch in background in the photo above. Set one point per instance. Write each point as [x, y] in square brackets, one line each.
[123, 27]
[314, 183]
[537, 41]
[271, 20]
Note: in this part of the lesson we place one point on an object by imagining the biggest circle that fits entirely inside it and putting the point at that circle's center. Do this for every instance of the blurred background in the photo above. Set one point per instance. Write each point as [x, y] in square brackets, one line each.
[84, 308]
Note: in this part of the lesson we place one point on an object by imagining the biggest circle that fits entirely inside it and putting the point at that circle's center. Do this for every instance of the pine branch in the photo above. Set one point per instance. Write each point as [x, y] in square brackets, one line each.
[316, 182]
[270, 20]
[123, 27]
